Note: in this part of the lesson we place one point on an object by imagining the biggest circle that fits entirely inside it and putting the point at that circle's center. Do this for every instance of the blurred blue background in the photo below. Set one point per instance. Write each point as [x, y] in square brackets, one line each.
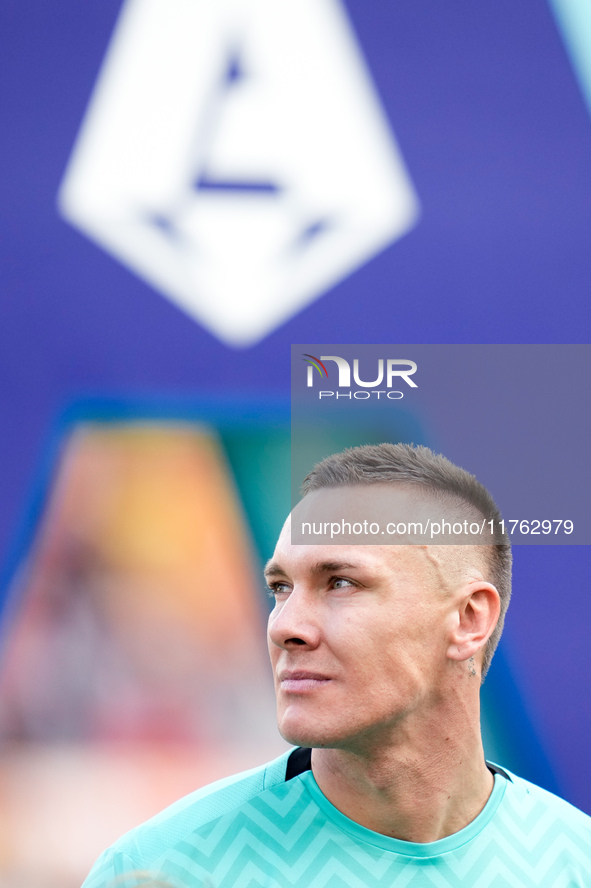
[486, 107]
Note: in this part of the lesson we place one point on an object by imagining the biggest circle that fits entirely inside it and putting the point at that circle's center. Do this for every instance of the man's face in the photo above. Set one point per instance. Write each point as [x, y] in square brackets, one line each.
[357, 638]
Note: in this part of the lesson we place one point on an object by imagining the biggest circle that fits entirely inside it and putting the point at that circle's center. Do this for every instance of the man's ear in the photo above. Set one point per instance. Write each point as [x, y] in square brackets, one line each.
[475, 618]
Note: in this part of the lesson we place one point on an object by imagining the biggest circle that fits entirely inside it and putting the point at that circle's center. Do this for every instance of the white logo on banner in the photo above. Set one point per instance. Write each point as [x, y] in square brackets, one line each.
[235, 156]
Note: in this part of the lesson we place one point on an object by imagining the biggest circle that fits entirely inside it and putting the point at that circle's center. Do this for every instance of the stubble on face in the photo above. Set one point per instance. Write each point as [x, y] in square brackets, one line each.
[380, 643]
[383, 643]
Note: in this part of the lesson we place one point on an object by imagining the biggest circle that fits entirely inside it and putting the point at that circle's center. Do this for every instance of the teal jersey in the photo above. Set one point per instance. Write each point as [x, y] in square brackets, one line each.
[261, 830]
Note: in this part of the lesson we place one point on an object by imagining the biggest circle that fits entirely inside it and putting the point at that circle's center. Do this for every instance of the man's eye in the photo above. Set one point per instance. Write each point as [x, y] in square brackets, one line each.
[342, 583]
[275, 589]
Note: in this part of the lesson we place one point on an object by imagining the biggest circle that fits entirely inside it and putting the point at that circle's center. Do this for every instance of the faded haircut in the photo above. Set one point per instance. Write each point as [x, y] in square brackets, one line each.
[417, 465]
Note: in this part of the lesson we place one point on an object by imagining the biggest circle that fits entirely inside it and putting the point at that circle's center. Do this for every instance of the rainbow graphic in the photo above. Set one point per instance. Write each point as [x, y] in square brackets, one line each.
[316, 362]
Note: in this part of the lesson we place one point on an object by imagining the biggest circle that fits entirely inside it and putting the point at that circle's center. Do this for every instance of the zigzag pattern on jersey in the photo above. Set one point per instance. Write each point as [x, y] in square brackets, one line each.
[282, 839]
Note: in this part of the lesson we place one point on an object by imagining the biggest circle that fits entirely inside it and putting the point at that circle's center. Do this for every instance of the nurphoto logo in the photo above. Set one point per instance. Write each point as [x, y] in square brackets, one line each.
[388, 370]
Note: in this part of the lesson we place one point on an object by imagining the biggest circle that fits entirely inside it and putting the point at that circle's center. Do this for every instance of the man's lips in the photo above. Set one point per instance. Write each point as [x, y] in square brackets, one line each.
[300, 680]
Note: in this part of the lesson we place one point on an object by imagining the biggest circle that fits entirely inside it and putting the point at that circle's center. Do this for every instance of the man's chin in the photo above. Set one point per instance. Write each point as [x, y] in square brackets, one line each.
[298, 733]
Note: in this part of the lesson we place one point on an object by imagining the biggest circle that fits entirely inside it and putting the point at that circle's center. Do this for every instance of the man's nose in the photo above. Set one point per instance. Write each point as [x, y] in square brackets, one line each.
[294, 622]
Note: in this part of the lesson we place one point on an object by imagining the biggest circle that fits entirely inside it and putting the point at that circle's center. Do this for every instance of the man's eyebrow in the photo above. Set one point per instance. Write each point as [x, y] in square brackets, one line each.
[273, 568]
[332, 566]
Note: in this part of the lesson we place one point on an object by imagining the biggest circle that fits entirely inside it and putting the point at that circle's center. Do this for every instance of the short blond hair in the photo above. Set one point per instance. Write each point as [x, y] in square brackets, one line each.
[411, 464]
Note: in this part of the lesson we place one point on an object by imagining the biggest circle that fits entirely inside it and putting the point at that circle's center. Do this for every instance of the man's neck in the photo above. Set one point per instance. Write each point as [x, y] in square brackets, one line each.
[414, 790]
